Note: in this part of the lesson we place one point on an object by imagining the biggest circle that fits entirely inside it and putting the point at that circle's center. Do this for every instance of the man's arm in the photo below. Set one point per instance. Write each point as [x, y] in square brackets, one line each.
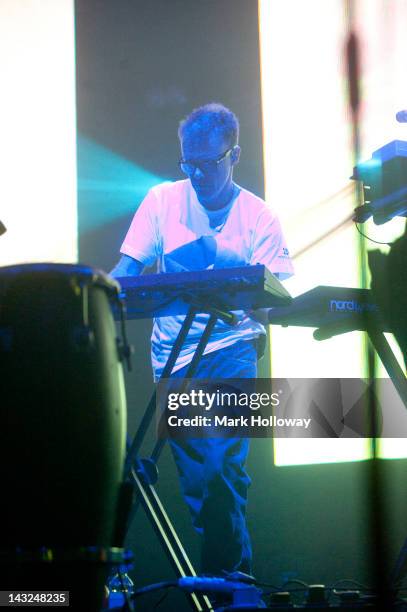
[127, 266]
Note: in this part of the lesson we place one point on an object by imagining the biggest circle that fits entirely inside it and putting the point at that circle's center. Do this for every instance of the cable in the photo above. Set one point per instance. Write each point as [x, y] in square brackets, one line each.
[350, 581]
[295, 581]
[267, 585]
[162, 598]
[371, 239]
[154, 587]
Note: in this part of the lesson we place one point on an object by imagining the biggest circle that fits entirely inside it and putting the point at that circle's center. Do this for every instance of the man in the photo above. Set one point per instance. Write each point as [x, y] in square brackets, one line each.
[207, 221]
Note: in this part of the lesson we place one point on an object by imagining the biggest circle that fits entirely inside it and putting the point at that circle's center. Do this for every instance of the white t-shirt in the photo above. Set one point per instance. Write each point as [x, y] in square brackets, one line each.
[171, 226]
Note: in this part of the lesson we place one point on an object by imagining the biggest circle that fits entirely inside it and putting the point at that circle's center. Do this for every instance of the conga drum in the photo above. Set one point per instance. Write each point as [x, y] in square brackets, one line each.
[63, 422]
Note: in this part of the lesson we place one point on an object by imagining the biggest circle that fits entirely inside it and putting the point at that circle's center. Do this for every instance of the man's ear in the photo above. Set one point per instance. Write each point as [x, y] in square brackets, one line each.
[235, 155]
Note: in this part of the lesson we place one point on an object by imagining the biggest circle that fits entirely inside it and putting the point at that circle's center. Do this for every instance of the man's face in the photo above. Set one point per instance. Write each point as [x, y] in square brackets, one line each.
[212, 182]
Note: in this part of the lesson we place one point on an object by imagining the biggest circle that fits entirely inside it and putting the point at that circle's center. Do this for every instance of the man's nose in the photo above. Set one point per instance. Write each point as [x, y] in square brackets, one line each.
[198, 174]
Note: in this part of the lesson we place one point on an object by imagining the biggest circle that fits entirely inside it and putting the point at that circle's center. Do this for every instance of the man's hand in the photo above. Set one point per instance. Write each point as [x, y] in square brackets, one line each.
[127, 266]
[261, 315]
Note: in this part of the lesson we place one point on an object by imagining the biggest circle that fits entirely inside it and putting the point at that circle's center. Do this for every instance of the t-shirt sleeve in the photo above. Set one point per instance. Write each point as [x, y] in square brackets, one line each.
[142, 241]
[269, 246]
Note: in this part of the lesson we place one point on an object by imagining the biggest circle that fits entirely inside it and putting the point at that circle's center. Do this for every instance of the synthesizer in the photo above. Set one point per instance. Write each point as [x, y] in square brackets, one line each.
[325, 305]
[161, 295]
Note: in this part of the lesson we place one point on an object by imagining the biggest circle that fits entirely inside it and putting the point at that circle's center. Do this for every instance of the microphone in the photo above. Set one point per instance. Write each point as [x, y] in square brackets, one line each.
[401, 116]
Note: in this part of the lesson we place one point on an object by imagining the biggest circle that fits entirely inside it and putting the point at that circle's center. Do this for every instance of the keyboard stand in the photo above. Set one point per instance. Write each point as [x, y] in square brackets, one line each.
[387, 587]
[143, 473]
[379, 342]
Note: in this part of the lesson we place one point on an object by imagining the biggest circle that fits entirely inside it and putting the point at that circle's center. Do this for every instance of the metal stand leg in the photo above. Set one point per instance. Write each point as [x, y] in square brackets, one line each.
[135, 470]
[150, 410]
[389, 583]
[389, 361]
[168, 538]
[190, 373]
[385, 589]
[379, 343]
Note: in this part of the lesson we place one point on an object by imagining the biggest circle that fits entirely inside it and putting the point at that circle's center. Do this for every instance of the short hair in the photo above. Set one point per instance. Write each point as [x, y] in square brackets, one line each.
[212, 117]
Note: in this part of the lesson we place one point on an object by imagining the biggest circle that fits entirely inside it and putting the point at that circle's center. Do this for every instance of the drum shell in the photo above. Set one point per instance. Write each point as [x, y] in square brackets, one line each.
[63, 412]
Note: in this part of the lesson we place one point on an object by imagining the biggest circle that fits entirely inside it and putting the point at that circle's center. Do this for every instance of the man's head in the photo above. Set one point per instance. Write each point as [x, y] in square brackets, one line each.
[209, 148]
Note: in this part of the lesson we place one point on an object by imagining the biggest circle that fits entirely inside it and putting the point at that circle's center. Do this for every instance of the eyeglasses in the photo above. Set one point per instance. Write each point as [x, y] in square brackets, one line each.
[206, 166]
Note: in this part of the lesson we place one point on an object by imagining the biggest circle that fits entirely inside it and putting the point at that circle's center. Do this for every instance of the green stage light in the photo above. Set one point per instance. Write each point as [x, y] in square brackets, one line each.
[109, 186]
